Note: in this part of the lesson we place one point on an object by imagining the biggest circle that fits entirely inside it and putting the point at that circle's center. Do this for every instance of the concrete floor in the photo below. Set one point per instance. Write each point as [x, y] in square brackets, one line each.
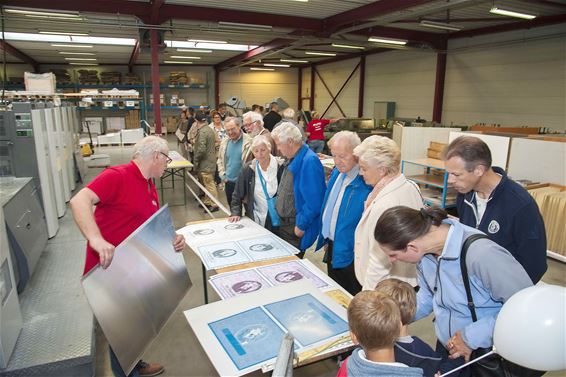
[177, 347]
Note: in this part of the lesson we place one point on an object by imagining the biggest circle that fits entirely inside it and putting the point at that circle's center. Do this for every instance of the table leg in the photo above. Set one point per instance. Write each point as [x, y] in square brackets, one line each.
[185, 185]
[204, 282]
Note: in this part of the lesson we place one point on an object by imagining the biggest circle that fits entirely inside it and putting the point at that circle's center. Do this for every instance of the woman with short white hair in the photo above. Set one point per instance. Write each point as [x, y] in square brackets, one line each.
[379, 160]
[257, 186]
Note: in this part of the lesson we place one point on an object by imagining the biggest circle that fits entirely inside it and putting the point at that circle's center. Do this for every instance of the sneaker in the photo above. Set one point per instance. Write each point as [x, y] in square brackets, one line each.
[212, 208]
[149, 369]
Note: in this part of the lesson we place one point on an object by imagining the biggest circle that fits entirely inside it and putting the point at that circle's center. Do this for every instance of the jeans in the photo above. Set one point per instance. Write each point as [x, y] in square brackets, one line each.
[316, 145]
[229, 188]
[117, 369]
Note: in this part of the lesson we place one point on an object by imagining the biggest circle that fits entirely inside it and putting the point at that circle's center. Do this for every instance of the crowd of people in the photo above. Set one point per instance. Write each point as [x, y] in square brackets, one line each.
[399, 259]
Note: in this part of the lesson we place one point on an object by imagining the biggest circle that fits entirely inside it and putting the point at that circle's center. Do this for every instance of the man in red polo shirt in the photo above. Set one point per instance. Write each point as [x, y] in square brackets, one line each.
[315, 132]
[125, 197]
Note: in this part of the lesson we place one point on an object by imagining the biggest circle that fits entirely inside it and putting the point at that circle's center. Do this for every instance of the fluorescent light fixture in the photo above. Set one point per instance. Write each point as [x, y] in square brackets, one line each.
[440, 25]
[85, 59]
[176, 62]
[276, 65]
[347, 46]
[293, 61]
[511, 13]
[392, 41]
[204, 41]
[320, 53]
[242, 26]
[41, 13]
[70, 46]
[63, 33]
[261, 69]
[29, 37]
[302, 1]
[83, 63]
[184, 57]
[193, 50]
[75, 53]
[209, 46]
[55, 18]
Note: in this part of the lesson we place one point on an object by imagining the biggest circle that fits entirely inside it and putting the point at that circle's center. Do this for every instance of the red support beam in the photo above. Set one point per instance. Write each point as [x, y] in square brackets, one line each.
[216, 87]
[361, 86]
[276, 43]
[311, 102]
[19, 55]
[155, 16]
[155, 89]
[300, 89]
[365, 12]
[134, 56]
[439, 87]
[537, 22]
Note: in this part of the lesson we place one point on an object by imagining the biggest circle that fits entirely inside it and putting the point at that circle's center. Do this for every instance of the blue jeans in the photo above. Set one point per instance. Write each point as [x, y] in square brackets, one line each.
[316, 145]
[117, 369]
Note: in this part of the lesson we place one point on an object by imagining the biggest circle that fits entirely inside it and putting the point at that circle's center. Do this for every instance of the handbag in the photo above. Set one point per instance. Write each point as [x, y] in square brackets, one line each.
[271, 201]
[494, 365]
[180, 135]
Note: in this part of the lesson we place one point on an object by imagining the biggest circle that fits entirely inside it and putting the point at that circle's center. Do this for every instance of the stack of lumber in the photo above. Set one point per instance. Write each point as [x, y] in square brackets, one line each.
[88, 77]
[178, 78]
[110, 77]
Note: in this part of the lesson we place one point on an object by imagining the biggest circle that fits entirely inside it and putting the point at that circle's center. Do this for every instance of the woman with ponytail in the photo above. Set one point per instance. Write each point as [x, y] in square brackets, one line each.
[430, 239]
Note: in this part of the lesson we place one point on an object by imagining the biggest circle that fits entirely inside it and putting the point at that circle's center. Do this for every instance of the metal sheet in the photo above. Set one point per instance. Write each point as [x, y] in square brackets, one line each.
[135, 296]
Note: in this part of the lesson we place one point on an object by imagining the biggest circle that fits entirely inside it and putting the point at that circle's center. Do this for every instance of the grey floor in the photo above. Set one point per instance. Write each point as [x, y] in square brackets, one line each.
[177, 347]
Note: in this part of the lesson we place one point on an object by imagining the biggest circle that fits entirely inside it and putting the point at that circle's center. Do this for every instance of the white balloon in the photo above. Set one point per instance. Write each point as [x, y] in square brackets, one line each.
[530, 329]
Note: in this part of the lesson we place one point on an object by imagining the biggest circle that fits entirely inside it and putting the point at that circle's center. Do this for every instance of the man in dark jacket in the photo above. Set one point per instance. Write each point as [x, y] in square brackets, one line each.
[491, 202]
[205, 159]
[272, 117]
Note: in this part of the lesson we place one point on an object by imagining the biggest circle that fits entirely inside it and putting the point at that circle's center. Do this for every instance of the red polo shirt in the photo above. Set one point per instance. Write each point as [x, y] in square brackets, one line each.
[127, 200]
[316, 128]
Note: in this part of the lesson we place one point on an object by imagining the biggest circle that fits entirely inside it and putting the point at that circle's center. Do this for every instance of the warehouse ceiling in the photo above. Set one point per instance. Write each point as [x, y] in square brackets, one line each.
[256, 32]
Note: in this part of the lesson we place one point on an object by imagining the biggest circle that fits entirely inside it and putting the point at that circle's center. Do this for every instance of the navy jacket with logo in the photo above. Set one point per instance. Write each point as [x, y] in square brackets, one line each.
[511, 219]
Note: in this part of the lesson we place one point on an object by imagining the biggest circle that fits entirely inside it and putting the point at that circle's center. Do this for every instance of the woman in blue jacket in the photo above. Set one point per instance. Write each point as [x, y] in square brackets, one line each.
[434, 242]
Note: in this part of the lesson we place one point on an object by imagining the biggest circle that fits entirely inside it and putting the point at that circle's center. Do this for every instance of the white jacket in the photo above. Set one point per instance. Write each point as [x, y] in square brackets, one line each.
[371, 264]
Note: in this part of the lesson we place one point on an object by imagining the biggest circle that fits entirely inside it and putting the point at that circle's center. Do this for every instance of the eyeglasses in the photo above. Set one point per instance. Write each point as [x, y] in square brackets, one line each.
[169, 159]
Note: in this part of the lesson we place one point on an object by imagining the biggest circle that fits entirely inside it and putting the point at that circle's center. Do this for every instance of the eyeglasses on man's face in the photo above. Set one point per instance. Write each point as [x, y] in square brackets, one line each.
[168, 159]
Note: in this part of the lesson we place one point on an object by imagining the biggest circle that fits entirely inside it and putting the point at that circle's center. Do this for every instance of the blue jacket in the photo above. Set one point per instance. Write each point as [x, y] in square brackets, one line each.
[494, 277]
[308, 187]
[511, 219]
[349, 216]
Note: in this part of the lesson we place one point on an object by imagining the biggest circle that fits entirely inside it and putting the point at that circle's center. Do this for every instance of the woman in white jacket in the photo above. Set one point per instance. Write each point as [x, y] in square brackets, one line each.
[379, 160]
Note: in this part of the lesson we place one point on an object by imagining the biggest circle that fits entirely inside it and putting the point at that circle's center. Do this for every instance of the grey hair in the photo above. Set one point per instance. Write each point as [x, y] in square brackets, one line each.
[260, 140]
[286, 133]
[349, 137]
[145, 148]
[289, 113]
[379, 151]
[254, 117]
[236, 120]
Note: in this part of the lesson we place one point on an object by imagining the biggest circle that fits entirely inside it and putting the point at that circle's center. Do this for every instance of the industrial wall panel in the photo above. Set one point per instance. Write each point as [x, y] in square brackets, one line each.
[335, 75]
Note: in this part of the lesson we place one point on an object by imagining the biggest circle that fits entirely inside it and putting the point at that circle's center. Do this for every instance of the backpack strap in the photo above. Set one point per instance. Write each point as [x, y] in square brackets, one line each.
[464, 268]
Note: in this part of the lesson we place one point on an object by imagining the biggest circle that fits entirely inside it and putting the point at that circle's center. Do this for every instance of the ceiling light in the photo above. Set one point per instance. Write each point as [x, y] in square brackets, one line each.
[83, 63]
[191, 50]
[347, 46]
[75, 53]
[176, 62]
[511, 13]
[210, 46]
[392, 41]
[440, 25]
[30, 37]
[242, 26]
[41, 13]
[320, 53]
[261, 69]
[302, 1]
[293, 61]
[63, 33]
[86, 59]
[55, 17]
[276, 65]
[184, 57]
[205, 41]
[71, 46]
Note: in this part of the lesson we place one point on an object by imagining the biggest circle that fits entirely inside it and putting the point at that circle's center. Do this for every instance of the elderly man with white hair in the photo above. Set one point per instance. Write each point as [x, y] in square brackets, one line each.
[289, 116]
[342, 209]
[379, 158]
[124, 197]
[301, 189]
[253, 124]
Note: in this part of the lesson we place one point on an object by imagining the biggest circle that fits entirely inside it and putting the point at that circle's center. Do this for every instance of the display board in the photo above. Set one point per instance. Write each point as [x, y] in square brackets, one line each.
[498, 146]
[243, 333]
[220, 243]
[145, 270]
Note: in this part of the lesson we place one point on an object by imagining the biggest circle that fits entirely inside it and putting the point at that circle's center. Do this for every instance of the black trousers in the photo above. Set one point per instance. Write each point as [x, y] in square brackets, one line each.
[345, 276]
[229, 189]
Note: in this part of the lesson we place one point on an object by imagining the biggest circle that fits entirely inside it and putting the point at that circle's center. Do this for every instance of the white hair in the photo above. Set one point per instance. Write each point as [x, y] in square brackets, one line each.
[349, 137]
[254, 117]
[379, 151]
[289, 113]
[145, 148]
[286, 133]
[260, 140]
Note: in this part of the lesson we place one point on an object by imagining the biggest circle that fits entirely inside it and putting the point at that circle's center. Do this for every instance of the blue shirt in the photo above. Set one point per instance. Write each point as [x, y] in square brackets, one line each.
[234, 159]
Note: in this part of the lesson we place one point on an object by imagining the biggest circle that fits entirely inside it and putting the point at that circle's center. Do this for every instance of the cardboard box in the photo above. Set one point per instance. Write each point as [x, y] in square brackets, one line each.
[43, 83]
